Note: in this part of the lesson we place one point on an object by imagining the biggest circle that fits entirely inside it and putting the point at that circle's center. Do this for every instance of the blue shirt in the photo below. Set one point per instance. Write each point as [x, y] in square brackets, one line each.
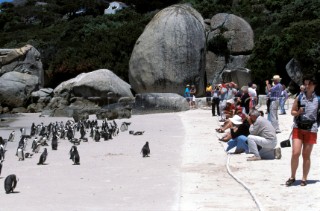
[187, 92]
[275, 91]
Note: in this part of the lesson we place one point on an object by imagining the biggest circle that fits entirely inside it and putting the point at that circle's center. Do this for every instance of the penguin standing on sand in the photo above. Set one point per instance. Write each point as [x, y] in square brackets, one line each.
[10, 183]
[1, 166]
[20, 154]
[74, 155]
[54, 142]
[145, 150]
[43, 157]
[11, 136]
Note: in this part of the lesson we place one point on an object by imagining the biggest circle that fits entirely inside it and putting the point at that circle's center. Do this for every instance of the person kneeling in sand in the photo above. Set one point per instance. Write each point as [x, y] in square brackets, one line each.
[262, 134]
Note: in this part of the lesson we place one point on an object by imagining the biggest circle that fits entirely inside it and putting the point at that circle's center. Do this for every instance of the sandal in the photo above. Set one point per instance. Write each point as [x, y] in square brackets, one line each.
[220, 130]
[303, 183]
[290, 181]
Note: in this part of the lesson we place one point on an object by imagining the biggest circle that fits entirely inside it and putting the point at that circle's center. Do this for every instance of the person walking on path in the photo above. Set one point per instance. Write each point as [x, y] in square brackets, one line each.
[193, 91]
[275, 93]
[187, 94]
[215, 100]
[305, 128]
[208, 94]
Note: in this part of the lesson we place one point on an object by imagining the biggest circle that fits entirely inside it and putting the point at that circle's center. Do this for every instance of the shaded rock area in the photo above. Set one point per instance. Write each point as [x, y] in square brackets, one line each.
[169, 53]
[159, 102]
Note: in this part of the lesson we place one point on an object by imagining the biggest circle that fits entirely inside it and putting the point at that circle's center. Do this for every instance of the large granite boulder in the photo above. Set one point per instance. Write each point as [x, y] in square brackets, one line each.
[170, 52]
[98, 85]
[23, 60]
[87, 93]
[240, 42]
[16, 89]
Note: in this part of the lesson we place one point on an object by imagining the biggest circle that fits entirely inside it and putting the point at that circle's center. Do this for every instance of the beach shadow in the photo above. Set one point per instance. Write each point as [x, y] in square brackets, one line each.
[15, 192]
[309, 182]
[44, 164]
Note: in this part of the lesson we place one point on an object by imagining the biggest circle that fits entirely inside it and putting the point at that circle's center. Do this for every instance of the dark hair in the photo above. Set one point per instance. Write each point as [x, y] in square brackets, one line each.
[309, 77]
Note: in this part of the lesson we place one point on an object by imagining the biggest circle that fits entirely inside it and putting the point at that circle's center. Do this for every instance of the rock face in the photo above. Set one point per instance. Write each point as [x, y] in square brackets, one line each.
[16, 88]
[169, 53]
[159, 102]
[240, 42]
[234, 28]
[23, 60]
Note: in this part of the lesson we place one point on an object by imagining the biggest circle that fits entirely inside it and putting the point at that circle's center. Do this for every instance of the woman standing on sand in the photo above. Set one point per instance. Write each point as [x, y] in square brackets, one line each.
[305, 128]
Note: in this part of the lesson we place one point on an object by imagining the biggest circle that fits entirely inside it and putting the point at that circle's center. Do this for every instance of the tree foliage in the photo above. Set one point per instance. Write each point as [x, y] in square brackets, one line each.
[71, 42]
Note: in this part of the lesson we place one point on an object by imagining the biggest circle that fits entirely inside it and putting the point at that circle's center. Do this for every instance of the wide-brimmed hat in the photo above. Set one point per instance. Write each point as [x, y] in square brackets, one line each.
[276, 78]
[236, 119]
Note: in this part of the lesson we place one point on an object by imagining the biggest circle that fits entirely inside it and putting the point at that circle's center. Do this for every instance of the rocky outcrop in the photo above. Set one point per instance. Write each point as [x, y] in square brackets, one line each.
[88, 93]
[16, 89]
[22, 60]
[169, 53]
[100, 85]
[240, 42]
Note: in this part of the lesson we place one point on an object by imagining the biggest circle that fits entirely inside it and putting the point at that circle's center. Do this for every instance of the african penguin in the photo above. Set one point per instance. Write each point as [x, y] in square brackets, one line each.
[145, 150]
[43, 157]
[10, 183]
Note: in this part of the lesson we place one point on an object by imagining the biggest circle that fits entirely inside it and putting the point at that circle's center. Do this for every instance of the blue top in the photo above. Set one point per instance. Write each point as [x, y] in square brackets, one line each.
[275, 91]
[187, 92]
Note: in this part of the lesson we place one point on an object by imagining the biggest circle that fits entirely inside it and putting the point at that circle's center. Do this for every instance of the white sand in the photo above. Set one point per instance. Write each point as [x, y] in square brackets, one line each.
[186, 171]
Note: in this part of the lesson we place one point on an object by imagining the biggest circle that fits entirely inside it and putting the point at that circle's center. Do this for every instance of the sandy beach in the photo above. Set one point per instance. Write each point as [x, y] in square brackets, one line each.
[187, 170]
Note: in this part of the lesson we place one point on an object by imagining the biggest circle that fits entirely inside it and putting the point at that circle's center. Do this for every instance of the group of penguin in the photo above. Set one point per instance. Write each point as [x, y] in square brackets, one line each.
[55, 131]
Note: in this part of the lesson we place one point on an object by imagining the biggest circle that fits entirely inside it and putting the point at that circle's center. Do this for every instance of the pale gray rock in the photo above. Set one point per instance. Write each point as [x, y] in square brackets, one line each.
[170, 52]
[42, 95]
[23, 60]
[159, 103]
[18, 110]
[103, 84]
[16, 88]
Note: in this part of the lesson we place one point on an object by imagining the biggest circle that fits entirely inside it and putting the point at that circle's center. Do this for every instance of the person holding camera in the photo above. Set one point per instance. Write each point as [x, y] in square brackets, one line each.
[305, 128]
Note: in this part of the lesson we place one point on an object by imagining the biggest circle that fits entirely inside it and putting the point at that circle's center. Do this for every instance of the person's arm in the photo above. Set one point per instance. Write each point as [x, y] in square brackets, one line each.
[295, 110]
[268, 86]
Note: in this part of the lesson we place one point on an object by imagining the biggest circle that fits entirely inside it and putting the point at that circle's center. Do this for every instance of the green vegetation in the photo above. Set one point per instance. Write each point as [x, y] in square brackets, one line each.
[71, 43]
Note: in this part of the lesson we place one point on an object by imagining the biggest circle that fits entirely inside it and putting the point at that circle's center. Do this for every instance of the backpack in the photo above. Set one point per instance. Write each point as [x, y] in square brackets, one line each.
[318, 113]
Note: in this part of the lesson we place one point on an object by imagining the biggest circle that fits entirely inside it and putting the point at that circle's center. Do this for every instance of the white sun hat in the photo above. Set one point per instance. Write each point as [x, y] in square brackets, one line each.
[236, 119]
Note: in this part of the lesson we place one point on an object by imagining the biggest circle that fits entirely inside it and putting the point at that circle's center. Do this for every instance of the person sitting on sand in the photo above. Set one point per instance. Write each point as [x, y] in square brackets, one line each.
[239, 133]
[229, 110]
[228, 124]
